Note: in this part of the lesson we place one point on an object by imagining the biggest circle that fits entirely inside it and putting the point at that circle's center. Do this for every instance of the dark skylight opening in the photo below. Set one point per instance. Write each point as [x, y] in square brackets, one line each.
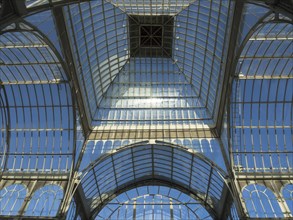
[151, 36]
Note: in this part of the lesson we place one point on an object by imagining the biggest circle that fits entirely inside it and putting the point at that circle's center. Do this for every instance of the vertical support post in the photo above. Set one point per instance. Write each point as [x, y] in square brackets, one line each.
[134, 209]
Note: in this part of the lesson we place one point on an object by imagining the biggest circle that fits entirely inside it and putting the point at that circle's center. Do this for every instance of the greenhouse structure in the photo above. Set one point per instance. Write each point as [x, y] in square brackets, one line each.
[146, 109]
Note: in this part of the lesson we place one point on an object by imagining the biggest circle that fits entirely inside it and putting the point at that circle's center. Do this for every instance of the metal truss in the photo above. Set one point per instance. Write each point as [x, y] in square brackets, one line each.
[233, 181]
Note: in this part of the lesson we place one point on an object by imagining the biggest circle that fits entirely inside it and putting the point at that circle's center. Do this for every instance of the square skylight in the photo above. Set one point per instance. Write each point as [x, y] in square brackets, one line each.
[151, 36]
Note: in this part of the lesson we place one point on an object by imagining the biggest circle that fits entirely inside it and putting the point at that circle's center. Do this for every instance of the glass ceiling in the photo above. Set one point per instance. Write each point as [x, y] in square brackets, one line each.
[136, 96]
[154, 202]
[199, 120]
[98, 33]
[139, 163]
[36, 92]
[102, 52]
[262, 100]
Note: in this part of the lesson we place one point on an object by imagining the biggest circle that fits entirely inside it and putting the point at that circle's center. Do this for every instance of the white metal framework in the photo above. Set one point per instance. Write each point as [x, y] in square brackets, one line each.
[140, 109]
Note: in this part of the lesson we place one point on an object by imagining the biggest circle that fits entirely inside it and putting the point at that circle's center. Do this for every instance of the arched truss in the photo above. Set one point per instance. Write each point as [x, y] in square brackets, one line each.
[39, 96]
[53, 5]
[143, 163]
[96, 76]
[254, 17]
[209, 147]
[154, 202]
[41, 135]
[4, 125]
[261, 102]
[262, 99]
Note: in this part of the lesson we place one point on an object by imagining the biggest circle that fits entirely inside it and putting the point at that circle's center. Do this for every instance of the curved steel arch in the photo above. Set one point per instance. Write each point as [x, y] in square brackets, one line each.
[259, 24]
[157, 182]
[258, 98]
[42, 37]
[54, 60]
[256, 87]
[35, 34]
[5, 115]
[185, 166]
[64, 107]
[157, 142]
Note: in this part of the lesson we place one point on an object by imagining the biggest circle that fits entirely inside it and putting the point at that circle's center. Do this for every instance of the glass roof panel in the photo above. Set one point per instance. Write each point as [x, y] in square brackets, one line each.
[102, 54]
[150, 7]
[252, 14]
[262, 101]
[262, 124]
[261, 202]
[209, 147]
[44, 22]
[171, 98]
[154, 202]
[36, 94]
[268, 52]
[98, 33]
[27, 58]
[12, 198]
[41, 131]
[150, 91]
[45, 201]
[199, 47]
[142, 162]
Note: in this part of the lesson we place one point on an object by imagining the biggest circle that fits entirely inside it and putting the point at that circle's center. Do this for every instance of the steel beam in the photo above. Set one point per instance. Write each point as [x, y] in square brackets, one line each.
[253, 77]
[230, 63]
[72, 72]
[76, 94]
[81, 203]
[30, 176]
[224, 207]
[152, 133]
[240, 176]
[37, 82]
